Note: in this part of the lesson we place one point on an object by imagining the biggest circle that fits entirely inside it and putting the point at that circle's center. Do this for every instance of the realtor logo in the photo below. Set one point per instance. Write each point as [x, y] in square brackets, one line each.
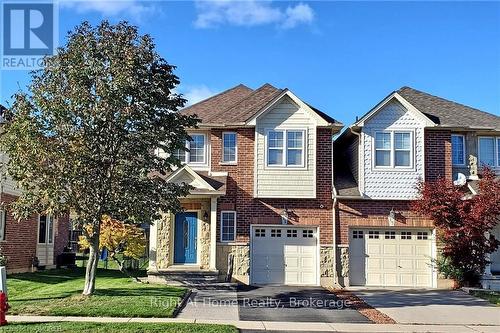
[28, 34]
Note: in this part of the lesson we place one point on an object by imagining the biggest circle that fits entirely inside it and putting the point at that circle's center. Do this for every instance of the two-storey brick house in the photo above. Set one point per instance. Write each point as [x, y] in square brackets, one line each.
[261, 167]
[408, 137]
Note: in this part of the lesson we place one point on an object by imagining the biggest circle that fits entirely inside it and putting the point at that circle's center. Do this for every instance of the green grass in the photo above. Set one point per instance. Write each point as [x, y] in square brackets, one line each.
[58, 293]
[70, 327]
[491, 296]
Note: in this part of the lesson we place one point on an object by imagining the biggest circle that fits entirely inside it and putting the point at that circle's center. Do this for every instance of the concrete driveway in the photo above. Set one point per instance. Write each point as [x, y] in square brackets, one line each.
[294, 304]
[431, 306]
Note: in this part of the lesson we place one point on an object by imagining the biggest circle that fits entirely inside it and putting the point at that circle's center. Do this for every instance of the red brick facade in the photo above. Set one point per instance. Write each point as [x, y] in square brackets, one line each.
[437, 154]
[250, 210]
[19, 244]
[374, 213]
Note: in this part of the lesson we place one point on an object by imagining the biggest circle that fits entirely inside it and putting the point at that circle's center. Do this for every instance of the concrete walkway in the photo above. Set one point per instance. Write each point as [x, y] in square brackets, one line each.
[273, 326]
[431, 307]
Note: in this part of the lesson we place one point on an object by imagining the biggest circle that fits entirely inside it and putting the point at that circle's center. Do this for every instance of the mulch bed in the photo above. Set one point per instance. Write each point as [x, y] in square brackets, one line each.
[362, 307]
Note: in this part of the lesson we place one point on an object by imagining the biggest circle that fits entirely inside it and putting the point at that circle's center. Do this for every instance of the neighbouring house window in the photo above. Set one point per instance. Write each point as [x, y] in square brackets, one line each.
[382, 149]
[228, 226]
[489, 151]
[229, 147]
[196, 150]
[286, 148]
[458, 149]
[3, 223]
[45, 229]
[393, 149]
[402, 149]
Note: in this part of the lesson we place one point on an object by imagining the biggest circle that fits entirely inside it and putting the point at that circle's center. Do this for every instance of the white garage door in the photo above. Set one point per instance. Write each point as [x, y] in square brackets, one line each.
[381, 257]
[284, 255]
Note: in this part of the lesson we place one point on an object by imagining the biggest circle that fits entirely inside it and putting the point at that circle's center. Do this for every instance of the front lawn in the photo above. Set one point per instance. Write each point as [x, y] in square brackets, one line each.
[491, 296]
[71, 327]
[58, 293]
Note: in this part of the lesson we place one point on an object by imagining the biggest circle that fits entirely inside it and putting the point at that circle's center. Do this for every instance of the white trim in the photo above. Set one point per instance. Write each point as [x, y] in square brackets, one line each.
[234, 224]
[235, 151]
[284, 165]
[319, 120]
[419, 115]
[192, 173]
[393, 166]
[464, 148]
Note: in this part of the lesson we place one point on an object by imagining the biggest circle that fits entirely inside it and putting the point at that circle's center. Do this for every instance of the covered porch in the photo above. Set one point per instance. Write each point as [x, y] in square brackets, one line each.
[186, 241]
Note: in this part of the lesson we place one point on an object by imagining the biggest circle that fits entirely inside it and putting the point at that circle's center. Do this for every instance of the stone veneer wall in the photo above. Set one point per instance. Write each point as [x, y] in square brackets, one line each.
[241, 252]
[327, 261]
[164, 243]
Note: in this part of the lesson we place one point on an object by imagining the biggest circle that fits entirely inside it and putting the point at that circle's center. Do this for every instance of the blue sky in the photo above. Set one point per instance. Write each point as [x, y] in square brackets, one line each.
[341, 57]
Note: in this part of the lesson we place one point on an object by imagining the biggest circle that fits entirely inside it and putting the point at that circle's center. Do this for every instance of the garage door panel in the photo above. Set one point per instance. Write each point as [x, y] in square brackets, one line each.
[286, 259]
[396, 258]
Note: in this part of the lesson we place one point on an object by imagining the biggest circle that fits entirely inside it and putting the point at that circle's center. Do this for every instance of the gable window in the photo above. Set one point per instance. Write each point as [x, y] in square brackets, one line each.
[227, 226]
[458, 149]
[285, 148]
[229, 147]
[196, 150]
[489, 151]
[393, 149]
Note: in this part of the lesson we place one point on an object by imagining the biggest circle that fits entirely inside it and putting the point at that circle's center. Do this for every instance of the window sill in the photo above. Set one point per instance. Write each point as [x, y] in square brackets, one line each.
[228, 163]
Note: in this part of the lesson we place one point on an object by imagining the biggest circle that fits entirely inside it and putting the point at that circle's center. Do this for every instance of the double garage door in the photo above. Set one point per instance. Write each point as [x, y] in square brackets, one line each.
[284, 255]
[384, 257]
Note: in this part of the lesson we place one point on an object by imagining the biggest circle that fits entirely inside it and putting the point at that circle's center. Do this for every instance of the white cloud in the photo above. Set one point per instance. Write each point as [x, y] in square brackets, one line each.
[194, 94]
[250, 13]
[133, 9]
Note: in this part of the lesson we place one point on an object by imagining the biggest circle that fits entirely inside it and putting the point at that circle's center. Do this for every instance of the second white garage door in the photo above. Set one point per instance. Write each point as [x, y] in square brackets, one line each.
[399, 258]
[284, 255]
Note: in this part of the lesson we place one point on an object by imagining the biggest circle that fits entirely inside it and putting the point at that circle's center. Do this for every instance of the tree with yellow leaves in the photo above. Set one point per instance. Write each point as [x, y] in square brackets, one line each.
[118, 238]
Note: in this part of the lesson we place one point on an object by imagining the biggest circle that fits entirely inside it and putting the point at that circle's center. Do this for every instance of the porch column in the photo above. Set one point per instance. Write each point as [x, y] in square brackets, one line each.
[213, 232]
[487, 269]
[152, 247]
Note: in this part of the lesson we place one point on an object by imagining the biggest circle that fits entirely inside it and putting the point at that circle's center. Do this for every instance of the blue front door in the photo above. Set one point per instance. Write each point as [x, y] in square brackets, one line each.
[185, 238]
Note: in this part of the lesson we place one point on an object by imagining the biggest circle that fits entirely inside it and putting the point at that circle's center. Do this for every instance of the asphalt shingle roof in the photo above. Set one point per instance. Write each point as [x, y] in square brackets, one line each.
[239, 104]
[447, 113]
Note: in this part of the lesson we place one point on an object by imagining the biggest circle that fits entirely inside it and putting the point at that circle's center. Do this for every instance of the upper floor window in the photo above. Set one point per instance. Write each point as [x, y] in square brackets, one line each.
[286, 148]
[458, 149]
[229, 147]
[489, 151]
[196, 150]
[393, 149]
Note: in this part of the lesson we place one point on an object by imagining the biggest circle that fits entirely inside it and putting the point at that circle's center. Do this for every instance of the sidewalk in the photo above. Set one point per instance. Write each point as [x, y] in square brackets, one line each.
[274, 325]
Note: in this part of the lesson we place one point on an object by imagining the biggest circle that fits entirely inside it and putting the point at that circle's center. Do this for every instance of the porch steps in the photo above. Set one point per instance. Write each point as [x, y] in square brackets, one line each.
[192, 277]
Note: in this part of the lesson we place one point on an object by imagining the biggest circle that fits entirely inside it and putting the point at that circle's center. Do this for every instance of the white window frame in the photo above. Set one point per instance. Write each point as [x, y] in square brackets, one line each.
[392, 166]
[221, 226]
[496, 151]
[187, 153]
[223, 161]
[3, 223]
[49, 220]
[464, 154]
[285, 148]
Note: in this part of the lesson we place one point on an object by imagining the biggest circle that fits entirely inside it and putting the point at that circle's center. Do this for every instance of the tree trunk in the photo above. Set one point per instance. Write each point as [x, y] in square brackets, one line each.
[91, 270]
[124, 270]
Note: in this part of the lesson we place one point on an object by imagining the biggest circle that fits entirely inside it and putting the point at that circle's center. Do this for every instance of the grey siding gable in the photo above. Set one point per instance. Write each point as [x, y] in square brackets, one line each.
[285, 182]
[392, 183]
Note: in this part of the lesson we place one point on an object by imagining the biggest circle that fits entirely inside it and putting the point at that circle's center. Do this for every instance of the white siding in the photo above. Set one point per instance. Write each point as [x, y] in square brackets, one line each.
[7, 184]
[285, 182]
[396, 183]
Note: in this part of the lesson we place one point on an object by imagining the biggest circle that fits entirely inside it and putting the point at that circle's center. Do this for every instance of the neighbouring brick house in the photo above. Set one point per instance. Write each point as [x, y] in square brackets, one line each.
[408, 137]
[21, 241]
[261, 167]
